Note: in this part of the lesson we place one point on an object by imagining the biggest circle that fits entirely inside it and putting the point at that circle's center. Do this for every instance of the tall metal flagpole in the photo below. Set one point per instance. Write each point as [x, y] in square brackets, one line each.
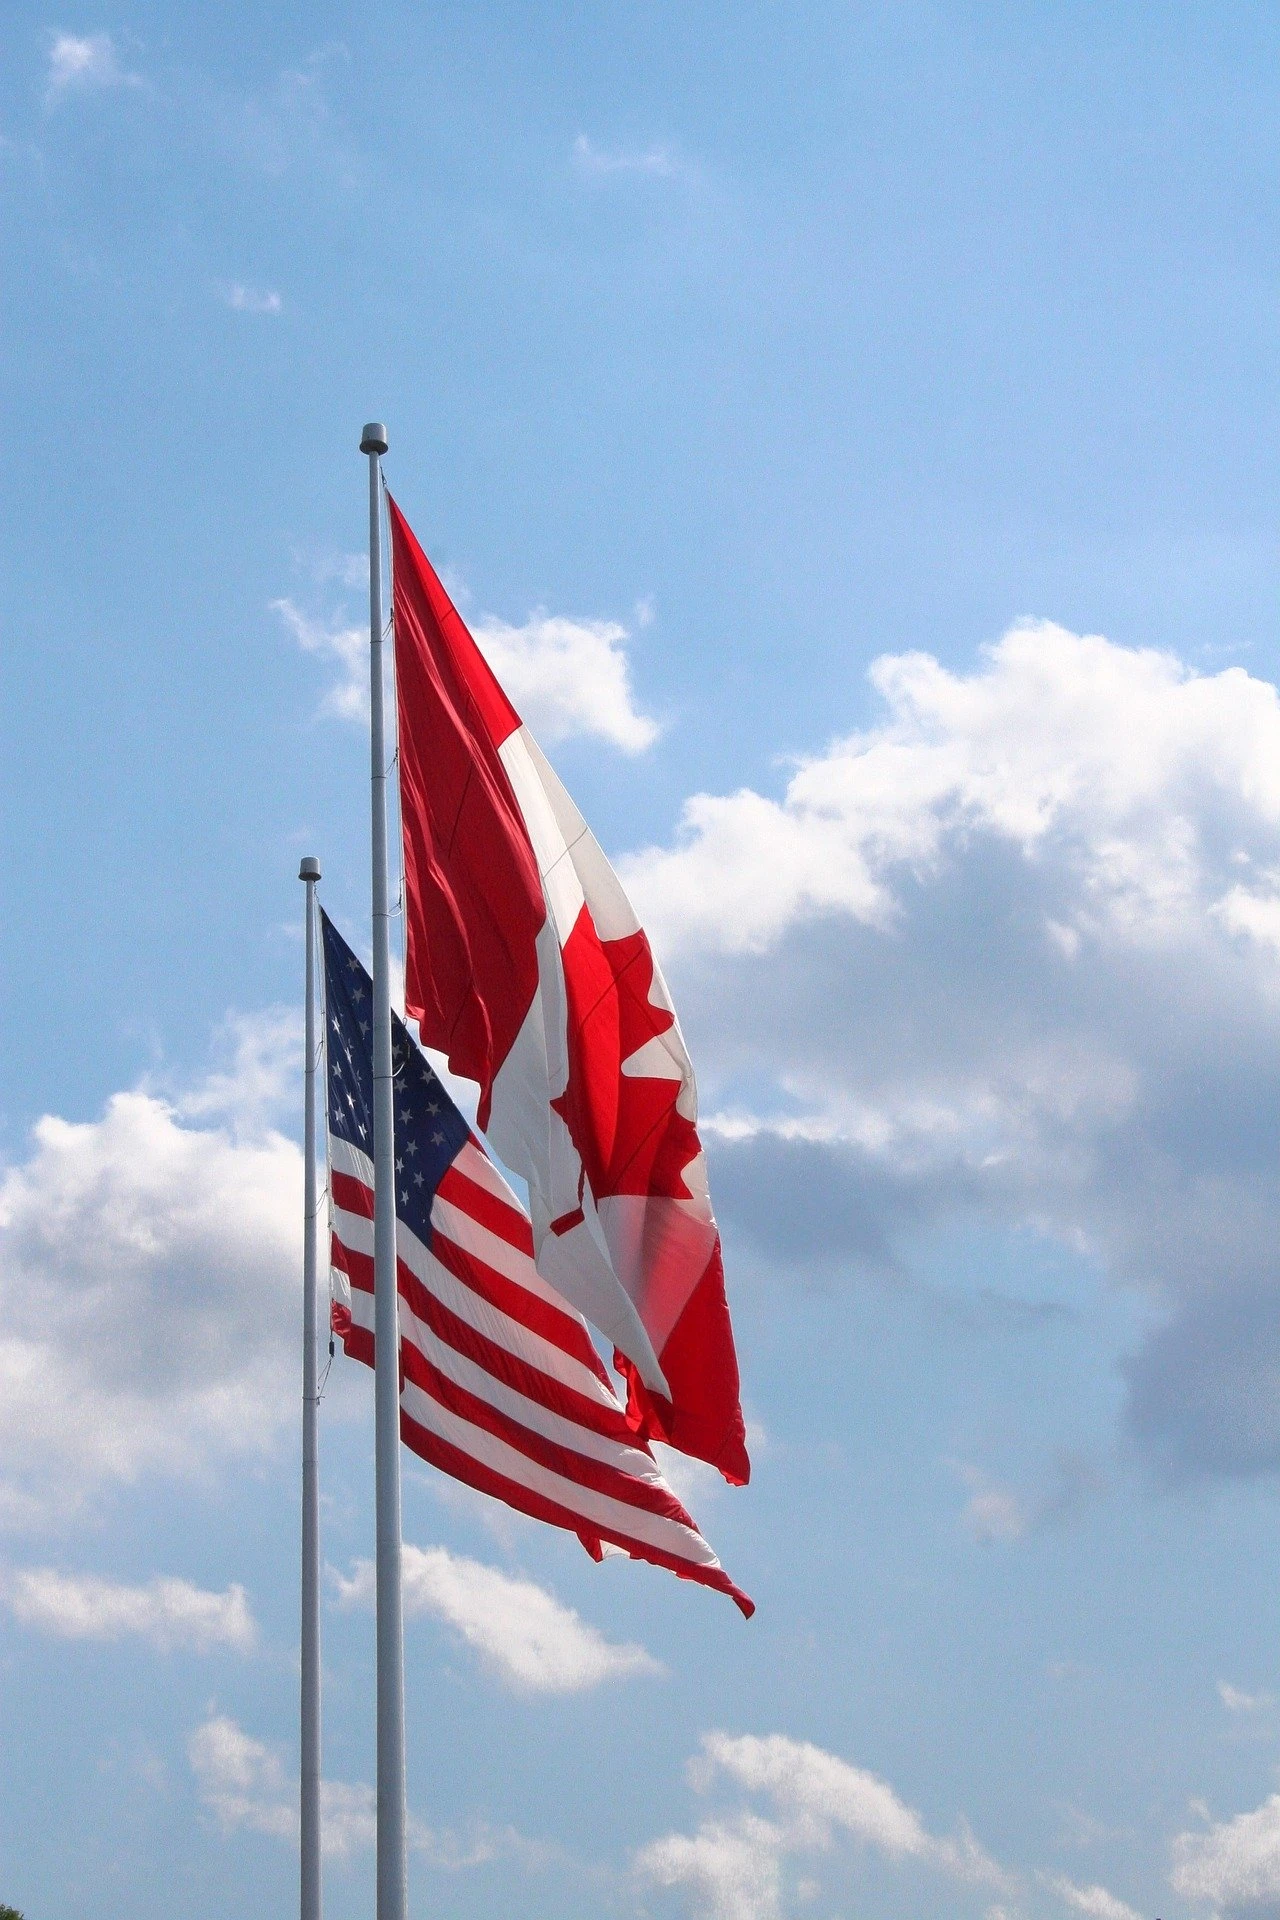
[309, 872]
[393, 1891]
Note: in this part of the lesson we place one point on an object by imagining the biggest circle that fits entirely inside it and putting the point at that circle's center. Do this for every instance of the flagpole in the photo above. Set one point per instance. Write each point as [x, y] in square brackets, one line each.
[309, 872]
[393, 1895]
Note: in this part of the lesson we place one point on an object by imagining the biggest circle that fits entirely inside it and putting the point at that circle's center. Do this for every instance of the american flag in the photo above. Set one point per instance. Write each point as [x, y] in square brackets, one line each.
[502, 1386]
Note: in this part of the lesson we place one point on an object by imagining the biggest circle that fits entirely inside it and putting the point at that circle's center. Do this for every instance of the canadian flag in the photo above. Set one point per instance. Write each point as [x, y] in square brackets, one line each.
[526, 965]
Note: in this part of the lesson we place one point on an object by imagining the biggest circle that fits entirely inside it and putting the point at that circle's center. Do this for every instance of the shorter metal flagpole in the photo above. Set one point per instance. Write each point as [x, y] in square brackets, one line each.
[309, 872]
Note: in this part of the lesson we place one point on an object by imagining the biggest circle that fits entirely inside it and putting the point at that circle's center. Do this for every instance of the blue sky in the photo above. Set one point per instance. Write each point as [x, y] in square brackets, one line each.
[853, 432]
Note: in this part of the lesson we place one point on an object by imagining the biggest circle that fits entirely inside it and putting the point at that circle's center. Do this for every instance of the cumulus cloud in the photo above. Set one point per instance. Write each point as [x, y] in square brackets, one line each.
[148, 1281]
[169, 1613]
[569, 679]
[733, 1865]
[246, 1787]
[1234, 1864]
[732, 1868]
[1106, 759]
[84, 64]
[522, 1633]
[1008, 955]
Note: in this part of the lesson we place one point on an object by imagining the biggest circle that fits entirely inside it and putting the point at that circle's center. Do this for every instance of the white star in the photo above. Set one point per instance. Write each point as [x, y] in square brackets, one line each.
[437, 1139]
[411, 1146]
[417, 1179]
[399, 1166]
[434, 1107]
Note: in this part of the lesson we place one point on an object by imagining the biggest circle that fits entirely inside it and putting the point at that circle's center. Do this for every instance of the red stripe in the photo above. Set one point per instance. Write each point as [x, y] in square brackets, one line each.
[615, 1482]
[522, 1376]
[357, 1344]
[554, 1324]
[450, 1459]
[352, 1195]
[518, 1303]
[341, 1257]
[498, 1215]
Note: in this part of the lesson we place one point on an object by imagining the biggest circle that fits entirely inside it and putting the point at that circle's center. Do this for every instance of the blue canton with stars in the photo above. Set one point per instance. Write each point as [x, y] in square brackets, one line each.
[430, 1132]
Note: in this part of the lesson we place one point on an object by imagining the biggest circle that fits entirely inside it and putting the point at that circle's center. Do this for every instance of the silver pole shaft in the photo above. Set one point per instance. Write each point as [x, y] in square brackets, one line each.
[393, 1890]
[310, 1732]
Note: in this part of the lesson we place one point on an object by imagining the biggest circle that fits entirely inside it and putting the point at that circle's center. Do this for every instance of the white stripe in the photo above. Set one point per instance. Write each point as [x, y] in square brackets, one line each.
[631, 1462]
[669, 1536]
[355, 1232]
[344, 1158]
[455, 1223]
[476, 1164]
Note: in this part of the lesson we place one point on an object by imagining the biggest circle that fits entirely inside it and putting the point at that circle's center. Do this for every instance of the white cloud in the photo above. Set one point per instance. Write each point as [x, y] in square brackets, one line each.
[243, 299]
[1008, 955]
[992, 1512]
[568, 679]
[263, 1074]
[999, 1513]
[521, 1632]
[148, 1287]
[1094, 1901]
[1235, 1865]
[1237, 1701]
[657, 162]
[738, 1864]
[810, 1785]
[1040, 750]
[169, 1613]
[83, 64]
[244, 1784]
[348, 698]
[733, 1866]
[240, 1780]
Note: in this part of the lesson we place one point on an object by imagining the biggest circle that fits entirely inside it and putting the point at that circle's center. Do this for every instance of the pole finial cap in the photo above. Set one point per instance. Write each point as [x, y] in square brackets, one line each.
[310, 868]
[374, 438]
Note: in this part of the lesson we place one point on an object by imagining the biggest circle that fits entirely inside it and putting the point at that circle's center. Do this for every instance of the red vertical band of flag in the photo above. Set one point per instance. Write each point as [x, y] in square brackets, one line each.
[526, 965]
